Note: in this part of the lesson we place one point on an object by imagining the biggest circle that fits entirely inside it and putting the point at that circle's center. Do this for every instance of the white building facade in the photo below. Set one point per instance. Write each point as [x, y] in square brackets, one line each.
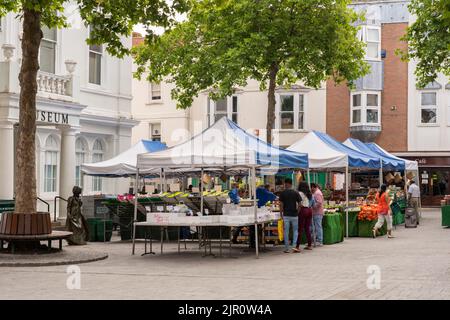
[298, 110]
[429, 135]
[83, 110]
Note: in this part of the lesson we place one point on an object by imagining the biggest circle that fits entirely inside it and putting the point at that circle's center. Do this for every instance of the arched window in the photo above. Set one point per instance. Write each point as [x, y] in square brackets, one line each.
[80, 154]
[97, 156]
[51, 164]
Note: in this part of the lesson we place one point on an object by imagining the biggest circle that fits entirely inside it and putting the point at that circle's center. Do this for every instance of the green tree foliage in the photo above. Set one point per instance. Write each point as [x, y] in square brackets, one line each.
[429, 39]
[112, 20]
[224, 43]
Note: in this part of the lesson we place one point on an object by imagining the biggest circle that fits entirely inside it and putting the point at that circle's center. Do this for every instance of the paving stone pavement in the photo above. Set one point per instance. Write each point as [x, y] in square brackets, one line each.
[414, 265]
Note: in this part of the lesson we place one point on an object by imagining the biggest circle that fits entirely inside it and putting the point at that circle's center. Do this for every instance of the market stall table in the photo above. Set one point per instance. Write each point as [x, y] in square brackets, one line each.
[332, 228]
[190, 224]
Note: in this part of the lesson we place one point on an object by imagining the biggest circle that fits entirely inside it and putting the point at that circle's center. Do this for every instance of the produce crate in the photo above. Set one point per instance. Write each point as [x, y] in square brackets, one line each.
[445, 211]
[365, 228]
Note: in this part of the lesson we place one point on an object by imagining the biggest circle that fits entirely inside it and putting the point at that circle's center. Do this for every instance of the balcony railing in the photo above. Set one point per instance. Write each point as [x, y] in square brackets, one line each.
[54, 84]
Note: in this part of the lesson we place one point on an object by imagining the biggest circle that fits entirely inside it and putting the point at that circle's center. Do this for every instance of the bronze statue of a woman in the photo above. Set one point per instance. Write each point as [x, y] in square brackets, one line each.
[75, 222]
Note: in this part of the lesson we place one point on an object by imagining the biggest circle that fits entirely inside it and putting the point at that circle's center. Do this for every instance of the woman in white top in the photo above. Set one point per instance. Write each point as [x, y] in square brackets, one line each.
[304, 216]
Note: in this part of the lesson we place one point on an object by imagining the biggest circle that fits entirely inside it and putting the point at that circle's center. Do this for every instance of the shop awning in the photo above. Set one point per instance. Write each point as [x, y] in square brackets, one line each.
[324, 152]
[223, 145]
[123, 164]
[389, 162]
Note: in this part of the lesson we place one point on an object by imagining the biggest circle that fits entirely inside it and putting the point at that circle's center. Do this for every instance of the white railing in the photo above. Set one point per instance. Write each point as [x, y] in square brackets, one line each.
[51, 83]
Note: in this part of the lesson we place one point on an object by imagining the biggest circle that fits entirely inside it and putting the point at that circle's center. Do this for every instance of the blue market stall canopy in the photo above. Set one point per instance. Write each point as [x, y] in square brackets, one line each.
[410, 165]
[324, 152]
[223, 145]
[389, 162]
[123, 164]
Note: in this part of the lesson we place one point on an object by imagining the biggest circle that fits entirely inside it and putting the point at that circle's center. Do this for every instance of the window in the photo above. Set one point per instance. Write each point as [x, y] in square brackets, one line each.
[372, 108]
[234, 110]
[291, 110]
[80, 155]
[97, 156]
[47, 50]
[155, 132]
[365, 108]
[287, 111]
[51, 164]
[155, 91]
[226, 107]
[95, 63]
[428, 112]
[373, 43]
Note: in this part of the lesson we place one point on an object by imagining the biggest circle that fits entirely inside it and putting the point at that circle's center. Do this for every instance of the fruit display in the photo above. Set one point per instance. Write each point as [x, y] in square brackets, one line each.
[368, 213]
[371, 196]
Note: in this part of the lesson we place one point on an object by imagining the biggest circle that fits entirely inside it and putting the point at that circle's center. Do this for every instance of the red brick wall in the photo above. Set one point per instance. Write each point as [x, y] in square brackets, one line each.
[338, 111]
[393, 136]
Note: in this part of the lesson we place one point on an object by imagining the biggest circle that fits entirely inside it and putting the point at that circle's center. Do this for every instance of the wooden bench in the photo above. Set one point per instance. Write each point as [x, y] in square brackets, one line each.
[55, 235]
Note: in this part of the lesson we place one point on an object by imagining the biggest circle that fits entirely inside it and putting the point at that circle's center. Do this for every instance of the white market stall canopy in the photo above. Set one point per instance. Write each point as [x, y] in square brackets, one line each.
[389, 162]
[324, 152]
[123, 164]
[223, 145]
[409, 164]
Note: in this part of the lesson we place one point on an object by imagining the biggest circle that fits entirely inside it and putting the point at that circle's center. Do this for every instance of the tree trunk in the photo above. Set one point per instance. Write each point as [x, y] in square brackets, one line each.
[271, 101]
[25, 189]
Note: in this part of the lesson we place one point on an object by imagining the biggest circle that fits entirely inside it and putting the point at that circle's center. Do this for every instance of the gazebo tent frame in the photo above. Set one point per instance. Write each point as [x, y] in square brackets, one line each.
[326, 153]
[223, 147]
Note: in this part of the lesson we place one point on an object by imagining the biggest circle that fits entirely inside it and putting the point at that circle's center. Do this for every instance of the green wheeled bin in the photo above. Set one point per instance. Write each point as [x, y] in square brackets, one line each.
[104, 230]
[92, 225]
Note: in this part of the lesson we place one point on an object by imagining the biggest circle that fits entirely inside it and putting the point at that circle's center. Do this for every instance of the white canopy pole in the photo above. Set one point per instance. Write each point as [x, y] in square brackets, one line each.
[346, 200]
[201, 192]
[165, 182]
[255, 206]
[381, 172]
[135, 208]
[160, 181]
[406, 187]
[313, 225]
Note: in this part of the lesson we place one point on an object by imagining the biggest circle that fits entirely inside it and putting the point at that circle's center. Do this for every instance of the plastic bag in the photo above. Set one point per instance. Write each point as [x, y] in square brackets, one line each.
[280, 230]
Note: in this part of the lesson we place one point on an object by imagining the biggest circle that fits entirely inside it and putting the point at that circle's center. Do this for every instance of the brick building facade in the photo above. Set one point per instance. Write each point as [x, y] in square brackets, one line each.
[387, 84]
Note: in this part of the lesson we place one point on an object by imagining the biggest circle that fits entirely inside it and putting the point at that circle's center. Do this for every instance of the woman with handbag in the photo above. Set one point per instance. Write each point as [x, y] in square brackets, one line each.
[304, 216]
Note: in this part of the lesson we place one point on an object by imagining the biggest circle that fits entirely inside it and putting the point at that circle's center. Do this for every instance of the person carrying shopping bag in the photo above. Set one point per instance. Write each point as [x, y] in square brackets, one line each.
[384, 212]
[304, 216]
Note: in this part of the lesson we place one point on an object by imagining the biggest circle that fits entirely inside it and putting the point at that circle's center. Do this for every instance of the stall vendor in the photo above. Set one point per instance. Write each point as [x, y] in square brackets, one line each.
[264, 195]
[234, 194]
